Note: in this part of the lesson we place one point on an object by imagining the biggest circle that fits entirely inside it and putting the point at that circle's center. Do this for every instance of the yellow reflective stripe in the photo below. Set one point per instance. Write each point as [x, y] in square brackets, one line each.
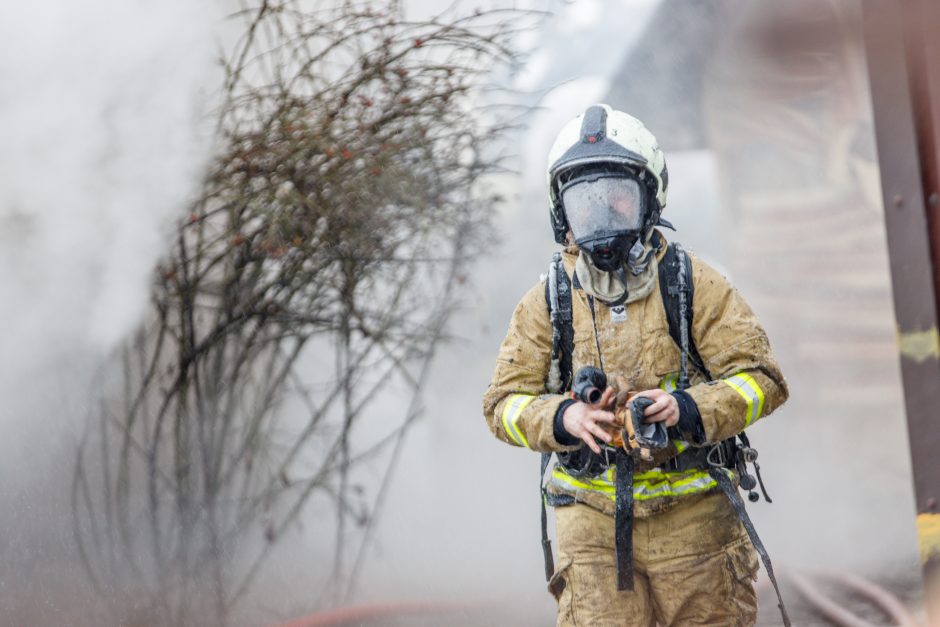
[696, 481]
[658, 476]
[669, 382]
[649, 485]
[511, 412]
[603, 486]
[745, 385]
[681, 445]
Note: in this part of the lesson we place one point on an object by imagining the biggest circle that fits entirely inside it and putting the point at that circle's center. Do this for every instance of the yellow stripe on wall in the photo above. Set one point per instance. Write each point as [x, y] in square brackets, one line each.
[928, 535]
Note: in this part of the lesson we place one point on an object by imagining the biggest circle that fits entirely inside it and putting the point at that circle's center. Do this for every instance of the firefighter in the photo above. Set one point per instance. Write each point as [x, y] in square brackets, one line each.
[691, 560]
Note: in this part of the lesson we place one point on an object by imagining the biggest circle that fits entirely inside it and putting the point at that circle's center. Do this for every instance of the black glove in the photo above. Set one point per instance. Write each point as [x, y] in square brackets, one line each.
[689, 427]
[561, 434]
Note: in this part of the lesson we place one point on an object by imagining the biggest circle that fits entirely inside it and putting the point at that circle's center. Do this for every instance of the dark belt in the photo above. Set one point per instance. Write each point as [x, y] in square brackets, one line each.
[703, 458]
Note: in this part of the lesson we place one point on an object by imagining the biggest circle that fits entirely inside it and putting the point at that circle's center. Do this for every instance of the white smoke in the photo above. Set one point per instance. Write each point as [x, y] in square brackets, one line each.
[103, 140]
[101, 123]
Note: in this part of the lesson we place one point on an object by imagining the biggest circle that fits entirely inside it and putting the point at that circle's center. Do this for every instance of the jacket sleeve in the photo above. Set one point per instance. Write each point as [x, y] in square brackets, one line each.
[516, 406]
[747, 382]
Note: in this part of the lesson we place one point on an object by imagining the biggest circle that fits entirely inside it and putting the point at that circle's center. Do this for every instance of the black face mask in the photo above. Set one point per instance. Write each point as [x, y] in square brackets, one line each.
[609, 252]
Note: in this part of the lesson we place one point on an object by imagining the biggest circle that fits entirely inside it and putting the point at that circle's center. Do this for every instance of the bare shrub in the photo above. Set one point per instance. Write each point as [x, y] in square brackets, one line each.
[332, 230]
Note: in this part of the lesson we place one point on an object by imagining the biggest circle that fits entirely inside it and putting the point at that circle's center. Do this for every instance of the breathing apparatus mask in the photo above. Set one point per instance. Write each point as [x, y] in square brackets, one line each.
[605, 210]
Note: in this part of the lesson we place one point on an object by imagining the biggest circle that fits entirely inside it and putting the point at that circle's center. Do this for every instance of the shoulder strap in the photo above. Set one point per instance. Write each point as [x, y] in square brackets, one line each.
[677, 290]
[558, 299]
[731, 491]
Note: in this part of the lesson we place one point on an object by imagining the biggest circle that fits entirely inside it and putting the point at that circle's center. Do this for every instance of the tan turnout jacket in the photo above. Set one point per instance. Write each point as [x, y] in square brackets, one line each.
[747, 385]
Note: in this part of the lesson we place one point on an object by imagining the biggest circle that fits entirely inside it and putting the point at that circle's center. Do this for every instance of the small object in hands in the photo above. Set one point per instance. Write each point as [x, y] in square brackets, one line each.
[645, 436]
[589, 385]
[632, 433]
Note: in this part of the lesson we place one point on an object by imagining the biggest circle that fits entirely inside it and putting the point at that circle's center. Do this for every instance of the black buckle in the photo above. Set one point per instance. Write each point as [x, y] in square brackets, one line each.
[721, 455]
[672, 464]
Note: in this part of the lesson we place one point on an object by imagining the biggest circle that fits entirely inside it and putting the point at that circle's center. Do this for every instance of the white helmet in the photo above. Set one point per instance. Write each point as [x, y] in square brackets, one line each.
[603, 138]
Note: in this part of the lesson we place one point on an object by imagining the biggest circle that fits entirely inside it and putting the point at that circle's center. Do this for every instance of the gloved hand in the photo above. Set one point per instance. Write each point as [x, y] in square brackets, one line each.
[588, 422]
[664, 409]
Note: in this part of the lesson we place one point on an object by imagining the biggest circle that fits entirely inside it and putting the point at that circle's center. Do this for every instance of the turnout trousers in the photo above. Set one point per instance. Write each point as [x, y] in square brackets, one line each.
[693, 565]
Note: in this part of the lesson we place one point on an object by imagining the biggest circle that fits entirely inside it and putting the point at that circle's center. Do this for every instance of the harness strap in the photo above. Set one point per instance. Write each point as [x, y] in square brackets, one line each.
[702, 458]
[623, 520]
[724, 482]
[546, 543]
[558, 299]
[677, 291]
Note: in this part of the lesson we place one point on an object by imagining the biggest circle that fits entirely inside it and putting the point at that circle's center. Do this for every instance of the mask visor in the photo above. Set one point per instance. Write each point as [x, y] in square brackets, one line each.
[602, 206]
